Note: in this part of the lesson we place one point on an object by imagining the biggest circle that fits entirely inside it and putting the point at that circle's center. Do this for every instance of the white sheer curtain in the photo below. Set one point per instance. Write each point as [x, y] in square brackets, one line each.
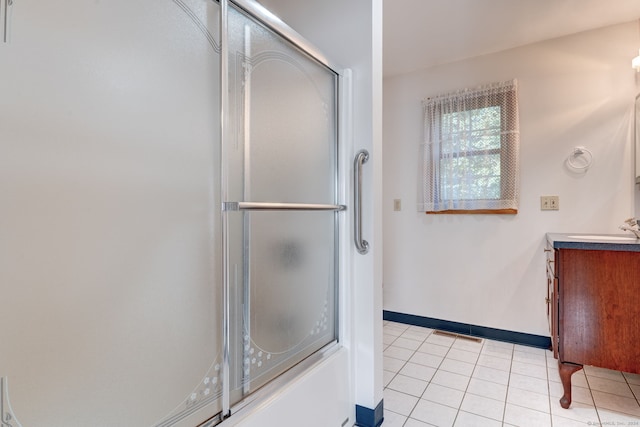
[470, 154]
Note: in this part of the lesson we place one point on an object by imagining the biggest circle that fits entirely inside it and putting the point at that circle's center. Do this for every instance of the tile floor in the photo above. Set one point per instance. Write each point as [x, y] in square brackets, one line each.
[445, 381]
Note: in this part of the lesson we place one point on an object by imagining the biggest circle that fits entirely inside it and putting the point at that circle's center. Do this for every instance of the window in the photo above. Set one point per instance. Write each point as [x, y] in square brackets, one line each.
[470, 151]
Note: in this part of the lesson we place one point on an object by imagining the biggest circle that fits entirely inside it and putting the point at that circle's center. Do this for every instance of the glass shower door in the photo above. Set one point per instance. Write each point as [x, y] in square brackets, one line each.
[110, 238]
[280, 202]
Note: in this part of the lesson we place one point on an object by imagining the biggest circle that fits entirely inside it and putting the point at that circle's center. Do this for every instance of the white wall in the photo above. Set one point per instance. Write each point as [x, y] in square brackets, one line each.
[489, 270]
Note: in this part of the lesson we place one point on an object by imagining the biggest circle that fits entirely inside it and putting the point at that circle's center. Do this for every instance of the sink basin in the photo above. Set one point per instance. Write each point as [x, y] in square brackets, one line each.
[604, 237]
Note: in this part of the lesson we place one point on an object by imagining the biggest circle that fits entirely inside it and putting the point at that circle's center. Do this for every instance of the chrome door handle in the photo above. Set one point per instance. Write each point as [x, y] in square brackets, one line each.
[361, 245]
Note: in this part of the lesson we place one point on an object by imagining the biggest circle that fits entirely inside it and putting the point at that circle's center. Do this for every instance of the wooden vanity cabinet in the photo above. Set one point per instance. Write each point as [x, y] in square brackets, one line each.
[594, 311]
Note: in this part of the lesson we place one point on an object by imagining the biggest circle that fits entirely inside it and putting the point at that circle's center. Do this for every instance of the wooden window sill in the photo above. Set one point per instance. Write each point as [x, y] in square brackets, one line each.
[475, 212]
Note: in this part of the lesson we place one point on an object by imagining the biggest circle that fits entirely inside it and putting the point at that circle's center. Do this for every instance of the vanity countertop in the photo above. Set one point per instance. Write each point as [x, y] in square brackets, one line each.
[598, 242]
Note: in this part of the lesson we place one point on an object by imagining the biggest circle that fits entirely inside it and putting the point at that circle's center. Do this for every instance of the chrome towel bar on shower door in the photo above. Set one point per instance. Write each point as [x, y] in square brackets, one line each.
[269, 206]
[361, 245]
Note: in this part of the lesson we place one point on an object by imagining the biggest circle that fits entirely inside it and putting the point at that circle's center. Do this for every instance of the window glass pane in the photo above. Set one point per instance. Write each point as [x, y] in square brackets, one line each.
[471, 130]
[481, 177]
[468, 172]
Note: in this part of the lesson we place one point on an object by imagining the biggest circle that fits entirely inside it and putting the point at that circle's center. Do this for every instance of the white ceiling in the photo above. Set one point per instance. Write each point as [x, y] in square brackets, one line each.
[422, 33]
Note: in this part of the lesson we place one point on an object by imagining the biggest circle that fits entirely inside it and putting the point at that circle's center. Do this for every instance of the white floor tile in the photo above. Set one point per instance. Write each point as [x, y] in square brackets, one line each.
[391, 364]
[496, 351]
[529, 349]
[578, 378]
[593, 371]
[388, 339]
[585, 414]
[580, 395]
[407, 343]
[434, 413]
[502, 344]
[399, 403]
[625, 405]
[467, 345]
[636, 390]
[494, 362]
[529, 399]
[462, 355]
[435, 349]
[387, 376]
[411, 422]
[426, 359]
[610, 386]
[556, 390]
[567, 422]
[421, 372]
[415, 335]
[490, 374]
[465, 419]
[487, 389]
[393, 331]
[528, 369]
[483, 406]
[443, 395]
[391, 419]
[408, 385]
[632, 378]
[451, 380]
[393, 326]
[524, 417]
[440, 340]
[613, 418]
[457, 367]
[398, 352]
[529, 357]
[421, 329]
[552, 372]
[529, 383]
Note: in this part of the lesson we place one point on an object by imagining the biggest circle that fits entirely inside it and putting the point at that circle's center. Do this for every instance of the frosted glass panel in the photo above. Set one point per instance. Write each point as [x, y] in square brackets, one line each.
[291, 281]
[292, 143]
[285, 131]
[110, 260]
[280, 147]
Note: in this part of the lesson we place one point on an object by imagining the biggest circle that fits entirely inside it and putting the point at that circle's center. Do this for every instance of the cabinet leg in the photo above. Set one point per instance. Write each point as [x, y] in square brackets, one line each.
[566, 370]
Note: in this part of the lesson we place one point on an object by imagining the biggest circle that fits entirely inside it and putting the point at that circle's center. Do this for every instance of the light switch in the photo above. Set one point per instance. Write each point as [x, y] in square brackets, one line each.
[549, 203]
[397, 204]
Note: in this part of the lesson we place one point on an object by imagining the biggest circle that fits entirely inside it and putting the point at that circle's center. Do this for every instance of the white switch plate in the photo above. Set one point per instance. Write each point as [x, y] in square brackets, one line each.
[397, 204]
[549, 203]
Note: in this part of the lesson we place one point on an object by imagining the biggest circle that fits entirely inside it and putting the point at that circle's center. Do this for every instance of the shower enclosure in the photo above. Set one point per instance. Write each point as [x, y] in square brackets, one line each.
[169, 210]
